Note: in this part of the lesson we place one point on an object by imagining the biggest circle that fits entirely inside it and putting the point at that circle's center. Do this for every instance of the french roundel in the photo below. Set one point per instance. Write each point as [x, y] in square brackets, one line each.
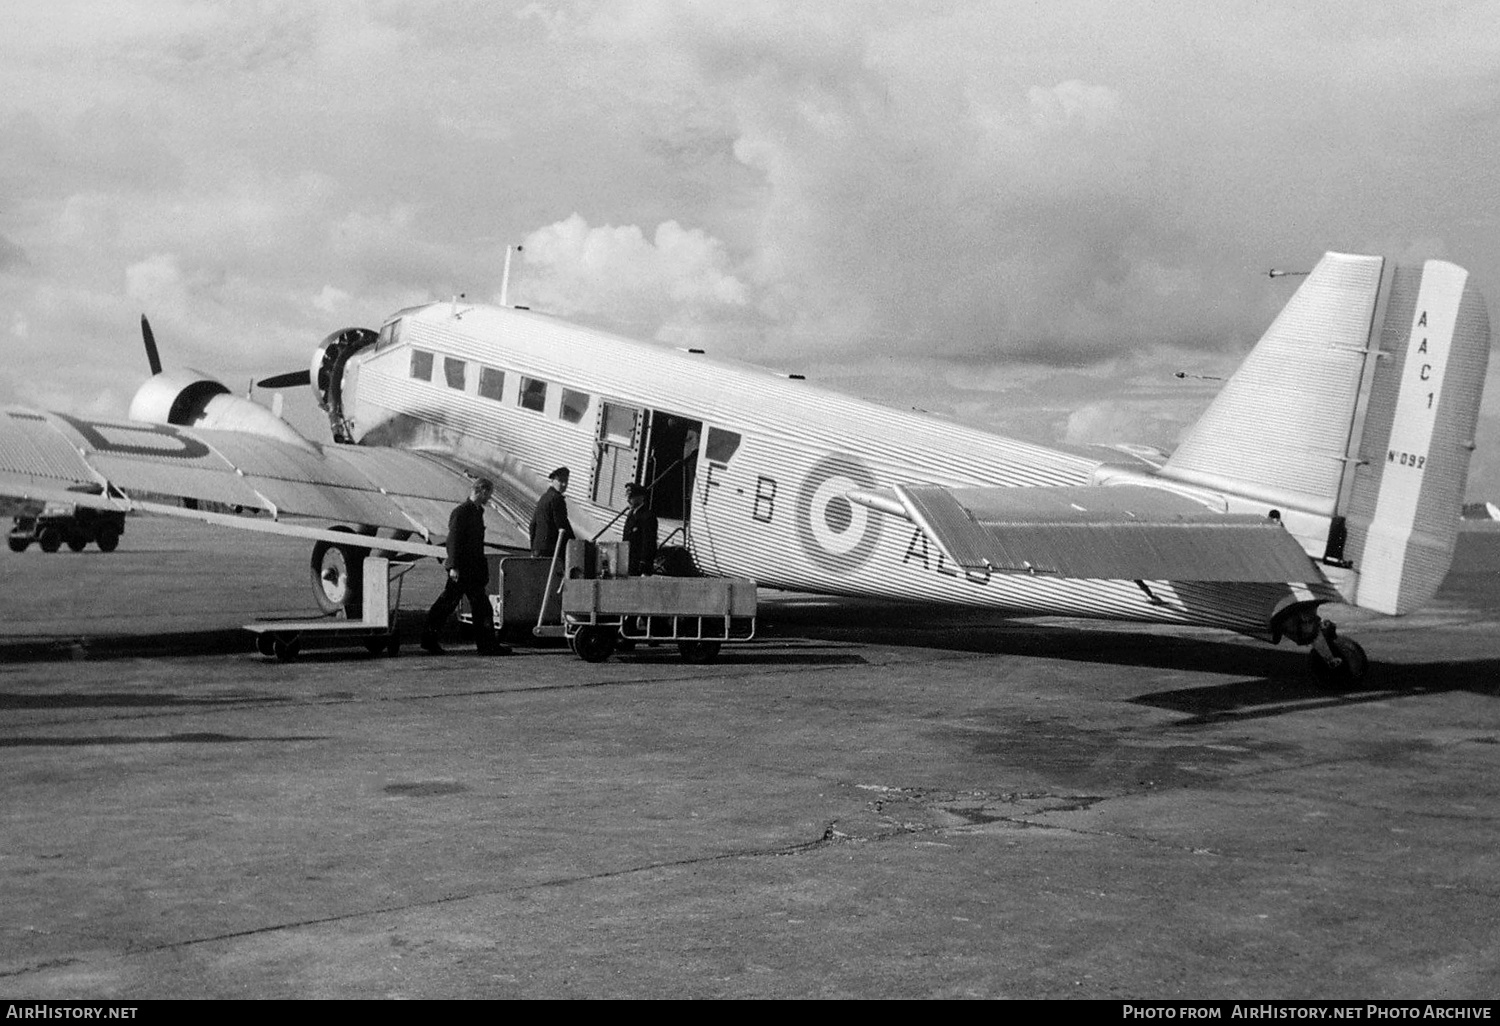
[836, 534]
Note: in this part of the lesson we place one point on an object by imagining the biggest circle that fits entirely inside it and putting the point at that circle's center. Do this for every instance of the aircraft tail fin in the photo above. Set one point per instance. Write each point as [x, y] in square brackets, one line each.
[1408, 493]
[1280, 430]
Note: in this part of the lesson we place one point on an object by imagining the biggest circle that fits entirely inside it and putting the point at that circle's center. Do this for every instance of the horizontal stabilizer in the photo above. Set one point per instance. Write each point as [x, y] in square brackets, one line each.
[1102, 533]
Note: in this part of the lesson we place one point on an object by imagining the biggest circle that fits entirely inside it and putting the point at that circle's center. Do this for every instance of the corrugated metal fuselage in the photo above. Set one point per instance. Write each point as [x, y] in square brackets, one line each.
[775, 459]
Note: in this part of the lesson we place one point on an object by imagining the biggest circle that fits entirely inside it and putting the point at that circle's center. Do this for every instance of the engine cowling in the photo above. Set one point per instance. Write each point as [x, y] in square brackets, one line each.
[193, 399]
[327, 373]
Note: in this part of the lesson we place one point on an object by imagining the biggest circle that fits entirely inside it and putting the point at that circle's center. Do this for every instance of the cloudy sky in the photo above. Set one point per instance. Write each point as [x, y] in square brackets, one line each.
[1026, 215]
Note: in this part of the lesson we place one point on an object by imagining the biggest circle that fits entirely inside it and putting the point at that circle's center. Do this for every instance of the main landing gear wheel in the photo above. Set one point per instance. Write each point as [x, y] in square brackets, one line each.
[1337, 663]
[698, 652]
[594, 644]
[338, 577]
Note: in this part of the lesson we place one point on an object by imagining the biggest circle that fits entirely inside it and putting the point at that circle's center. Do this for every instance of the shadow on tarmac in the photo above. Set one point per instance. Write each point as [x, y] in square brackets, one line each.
[10, 701]
[154, 739]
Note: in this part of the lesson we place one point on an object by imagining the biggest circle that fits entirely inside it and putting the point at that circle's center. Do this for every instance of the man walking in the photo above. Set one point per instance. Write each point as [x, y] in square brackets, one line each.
[468, 573]
[549, 520]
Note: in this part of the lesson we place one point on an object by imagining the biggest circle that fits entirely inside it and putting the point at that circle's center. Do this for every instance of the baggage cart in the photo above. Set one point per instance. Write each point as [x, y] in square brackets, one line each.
[376, 629]
[698, 614]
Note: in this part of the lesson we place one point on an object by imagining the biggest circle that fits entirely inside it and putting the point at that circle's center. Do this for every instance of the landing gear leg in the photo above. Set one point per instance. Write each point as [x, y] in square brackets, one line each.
[1337, 663]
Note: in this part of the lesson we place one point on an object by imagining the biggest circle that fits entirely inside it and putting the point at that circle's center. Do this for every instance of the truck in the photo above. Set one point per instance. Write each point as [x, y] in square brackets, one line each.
[59, 523]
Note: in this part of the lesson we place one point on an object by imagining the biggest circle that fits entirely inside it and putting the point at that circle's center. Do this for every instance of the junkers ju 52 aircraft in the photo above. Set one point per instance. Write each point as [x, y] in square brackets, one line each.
[1330, 467]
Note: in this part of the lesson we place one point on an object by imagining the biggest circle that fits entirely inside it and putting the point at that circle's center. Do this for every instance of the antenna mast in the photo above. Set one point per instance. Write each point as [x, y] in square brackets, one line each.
[505, 279]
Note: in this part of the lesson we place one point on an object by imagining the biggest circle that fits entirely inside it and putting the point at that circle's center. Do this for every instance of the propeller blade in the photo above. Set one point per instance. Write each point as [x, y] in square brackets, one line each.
[150, 340]
[288, 380]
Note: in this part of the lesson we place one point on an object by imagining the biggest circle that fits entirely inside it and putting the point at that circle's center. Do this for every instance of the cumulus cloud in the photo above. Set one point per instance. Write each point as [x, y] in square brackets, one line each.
[1025, 195]
[11, 255]
[572, 269]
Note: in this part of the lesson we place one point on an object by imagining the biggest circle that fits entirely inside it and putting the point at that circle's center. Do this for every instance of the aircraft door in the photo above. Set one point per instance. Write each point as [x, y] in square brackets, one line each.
[619, 452]
[671, 453]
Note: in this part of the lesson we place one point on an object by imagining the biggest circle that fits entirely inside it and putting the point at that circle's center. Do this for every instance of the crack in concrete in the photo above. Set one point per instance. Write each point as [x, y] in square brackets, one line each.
[829, 837]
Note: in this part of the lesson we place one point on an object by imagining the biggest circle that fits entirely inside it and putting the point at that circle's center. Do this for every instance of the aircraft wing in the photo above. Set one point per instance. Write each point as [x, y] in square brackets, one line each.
[1121, 532]
[199, 473]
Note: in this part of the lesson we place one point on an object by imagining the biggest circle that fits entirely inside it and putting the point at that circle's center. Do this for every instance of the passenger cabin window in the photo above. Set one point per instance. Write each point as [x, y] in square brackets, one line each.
[533, 394]
[491, 383]
[421, 365]
[574, 405]
[453, 370]
[722, 445]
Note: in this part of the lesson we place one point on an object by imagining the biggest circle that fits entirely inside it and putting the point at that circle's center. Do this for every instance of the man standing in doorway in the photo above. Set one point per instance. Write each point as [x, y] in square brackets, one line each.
[549, 521]
[468, 573]
[640, 532]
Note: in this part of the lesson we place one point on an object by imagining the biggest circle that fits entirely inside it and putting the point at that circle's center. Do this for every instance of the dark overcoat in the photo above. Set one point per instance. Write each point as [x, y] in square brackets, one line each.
[466, 543]
[640, 532]
[549, 520]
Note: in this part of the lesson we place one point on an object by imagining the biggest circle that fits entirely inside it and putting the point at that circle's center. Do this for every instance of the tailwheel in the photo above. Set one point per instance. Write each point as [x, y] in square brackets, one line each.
[1337, 663]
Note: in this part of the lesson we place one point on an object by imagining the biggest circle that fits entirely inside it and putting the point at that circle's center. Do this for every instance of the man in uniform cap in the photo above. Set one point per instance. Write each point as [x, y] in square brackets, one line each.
[550, 519]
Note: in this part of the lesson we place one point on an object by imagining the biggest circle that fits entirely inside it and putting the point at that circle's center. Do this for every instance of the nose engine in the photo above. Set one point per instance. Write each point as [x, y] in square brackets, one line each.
[327, 374]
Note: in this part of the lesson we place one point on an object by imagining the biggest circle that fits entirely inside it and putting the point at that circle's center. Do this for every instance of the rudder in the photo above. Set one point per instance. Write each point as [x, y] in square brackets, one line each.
[1408, 492]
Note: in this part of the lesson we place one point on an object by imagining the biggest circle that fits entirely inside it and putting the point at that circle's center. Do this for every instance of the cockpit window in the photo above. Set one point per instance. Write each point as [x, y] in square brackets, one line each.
[389, 335]
[453, 371]
[421, 365]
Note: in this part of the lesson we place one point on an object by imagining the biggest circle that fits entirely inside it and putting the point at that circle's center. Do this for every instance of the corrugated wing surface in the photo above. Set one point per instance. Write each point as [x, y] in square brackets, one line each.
[32, 452]
[378, 487]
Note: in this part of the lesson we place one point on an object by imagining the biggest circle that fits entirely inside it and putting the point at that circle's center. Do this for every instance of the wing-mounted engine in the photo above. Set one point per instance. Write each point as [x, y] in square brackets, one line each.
[327, 374]
[191, 398]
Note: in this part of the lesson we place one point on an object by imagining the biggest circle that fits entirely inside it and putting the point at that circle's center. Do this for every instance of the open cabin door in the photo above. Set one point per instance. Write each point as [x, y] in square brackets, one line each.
[671, 463]
[621, 431]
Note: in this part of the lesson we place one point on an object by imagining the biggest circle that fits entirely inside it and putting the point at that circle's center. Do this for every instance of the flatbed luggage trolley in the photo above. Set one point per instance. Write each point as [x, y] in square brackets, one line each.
[699, 614]
[376, 628]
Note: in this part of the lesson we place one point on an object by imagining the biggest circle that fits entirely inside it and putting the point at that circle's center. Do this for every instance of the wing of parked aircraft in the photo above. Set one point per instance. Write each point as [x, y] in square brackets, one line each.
[246, 479]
